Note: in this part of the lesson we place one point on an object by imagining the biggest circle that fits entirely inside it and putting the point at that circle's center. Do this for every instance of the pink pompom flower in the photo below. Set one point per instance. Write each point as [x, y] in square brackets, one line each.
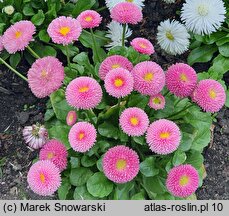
[149, 78]
[209, 95]
[182, 181]
[82, 136]
[1, 45]
[45, 76]
[64, 30]
[143, 46]
[157, 102]
[44, 178]
[163, 136]
[114, 62]
[119, 82]
[71, 118]
[56, 152]
[17, 37]
[89, 19]
[35, 136]
[84, 93]
[120, 164]
[181, 79]
[134, 121]
[126, 13]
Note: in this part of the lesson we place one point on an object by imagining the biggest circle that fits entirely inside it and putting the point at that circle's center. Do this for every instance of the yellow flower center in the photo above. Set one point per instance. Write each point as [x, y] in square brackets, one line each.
[148, 77]
[81, 135]
[134, 121]
[70, 117]
[44, 74]
[64, 30]
[169, 35]
[83, 89]
[142, 45]
[183, 77]
[50, 155]
[42, 177]
[203, 9]
[88, 18]
[212, 94]
[18, 34]
[156, 100]
[114, 66]
[118, 82]
[164, 135]
[121, 164]
[184, 180]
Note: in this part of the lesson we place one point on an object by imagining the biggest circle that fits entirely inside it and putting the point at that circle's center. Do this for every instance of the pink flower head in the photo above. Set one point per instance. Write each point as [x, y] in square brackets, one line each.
[182, 181]
[35, 136]
[157, 102]
[143, 46]
[44, 178]
[181, 79]
[149, 78]
[71, 118]
[84, 93]
[209, 95]
[134, 121]
[45, 76]
[82, 136]
[120, 164]
[56, 152]
[119, 82]
[64, 30]
[17, 37]
[163, 136]
[114, 62]
[89, 19]
[1, 45]
[126, 13]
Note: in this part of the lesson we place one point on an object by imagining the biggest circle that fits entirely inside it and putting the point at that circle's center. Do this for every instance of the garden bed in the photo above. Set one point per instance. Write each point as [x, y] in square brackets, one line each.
[19, 107]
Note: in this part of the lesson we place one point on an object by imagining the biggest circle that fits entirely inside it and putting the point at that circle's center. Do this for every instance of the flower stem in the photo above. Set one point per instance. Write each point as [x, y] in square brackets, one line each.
[123, 35]
[33, 52]
[94, 43]
[97, 36]
[179, 100]
[15, 71]
[101, 9]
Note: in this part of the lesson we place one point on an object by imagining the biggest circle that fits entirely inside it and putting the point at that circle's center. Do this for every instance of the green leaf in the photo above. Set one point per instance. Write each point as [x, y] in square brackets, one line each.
[81, 193]
[148, 168]
[75, 162]
[43, 51]
[87, 161]
[224, 50]
[227, 100]
[186, 141]
[82, 5]
[122, 191]
[138, 100]
[179, 158]
[38, 18]
[108, 130]
[138, 196]
[202, 54]
[99, 165]
[64, 189]
[17, 17]
[43, 35]
[140, 140]
[79, 176]
[28, 10]
[220, 65]
[195, 158]
[99, 186]
[49, 114]
[15, 59]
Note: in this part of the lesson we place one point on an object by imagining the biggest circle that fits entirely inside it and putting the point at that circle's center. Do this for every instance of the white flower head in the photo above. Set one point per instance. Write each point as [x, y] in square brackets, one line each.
[8, 9]
[173, 37]
[169, 1]
[115, 31]
[203, 16]
[111, 3]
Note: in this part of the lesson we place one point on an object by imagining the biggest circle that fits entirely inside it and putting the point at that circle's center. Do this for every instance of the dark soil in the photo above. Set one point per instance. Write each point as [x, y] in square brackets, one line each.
[20, 108]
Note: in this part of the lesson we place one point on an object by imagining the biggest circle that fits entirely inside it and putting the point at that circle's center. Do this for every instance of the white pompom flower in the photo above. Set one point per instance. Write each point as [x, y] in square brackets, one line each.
[112, 3]
[173, 37]
[203, 16]
[115, 31]
[169, 1]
